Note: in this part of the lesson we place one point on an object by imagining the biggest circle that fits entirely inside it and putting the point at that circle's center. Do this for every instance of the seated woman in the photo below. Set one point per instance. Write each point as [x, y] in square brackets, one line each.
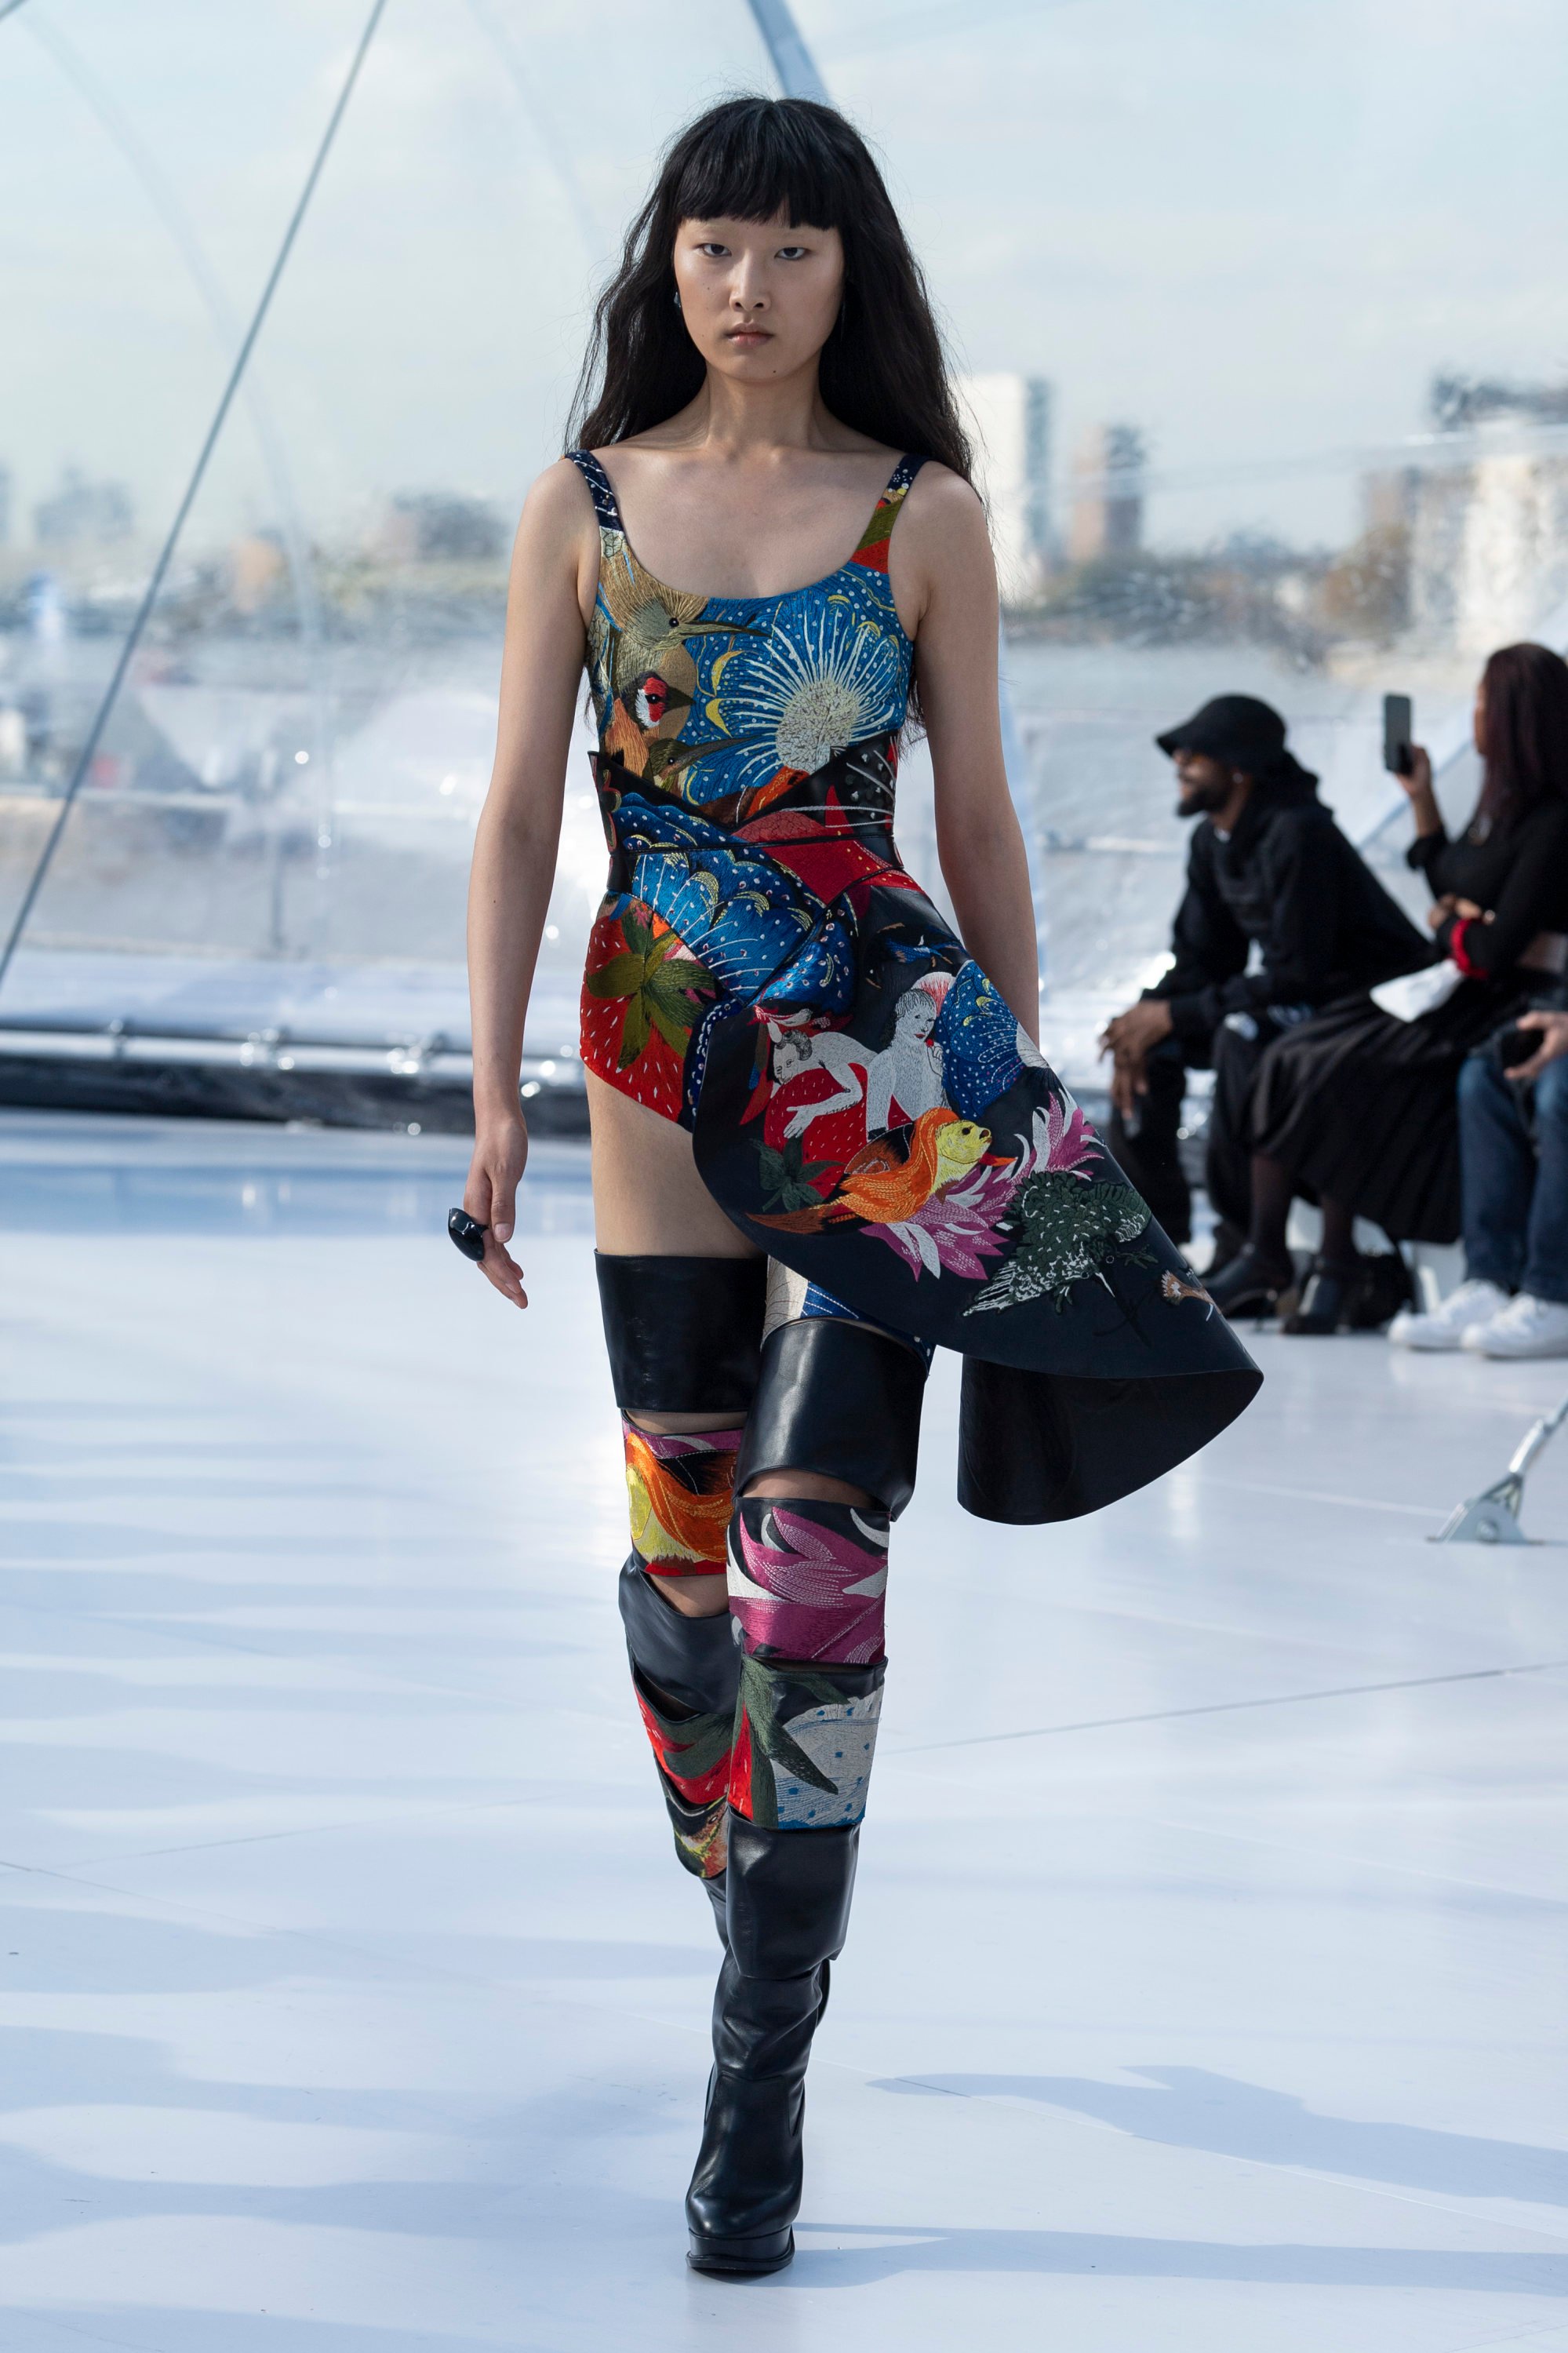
[1356, 1109]
[1513, 1152]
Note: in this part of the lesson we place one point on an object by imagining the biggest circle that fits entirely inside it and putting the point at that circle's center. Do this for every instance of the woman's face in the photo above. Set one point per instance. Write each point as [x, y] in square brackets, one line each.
[1478, 720]
[758, 298]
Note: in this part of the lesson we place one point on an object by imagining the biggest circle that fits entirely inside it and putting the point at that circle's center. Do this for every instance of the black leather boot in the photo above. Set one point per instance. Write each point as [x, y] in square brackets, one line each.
[686, 1672]
[788, 1914]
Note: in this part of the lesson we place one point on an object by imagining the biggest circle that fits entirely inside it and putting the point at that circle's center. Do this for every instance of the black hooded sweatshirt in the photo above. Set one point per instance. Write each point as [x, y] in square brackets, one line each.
[1287, 879]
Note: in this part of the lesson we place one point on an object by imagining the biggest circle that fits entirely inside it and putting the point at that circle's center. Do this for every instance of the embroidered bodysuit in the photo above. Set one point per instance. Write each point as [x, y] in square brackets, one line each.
[863, 1103]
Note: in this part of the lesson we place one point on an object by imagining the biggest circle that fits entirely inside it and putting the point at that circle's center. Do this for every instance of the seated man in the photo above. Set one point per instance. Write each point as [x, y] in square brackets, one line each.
[1280, 917]
[1513, 1164]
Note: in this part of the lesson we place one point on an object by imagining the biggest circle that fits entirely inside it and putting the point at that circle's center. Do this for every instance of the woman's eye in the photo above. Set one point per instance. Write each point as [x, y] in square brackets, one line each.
[715, 252]
[791, 252]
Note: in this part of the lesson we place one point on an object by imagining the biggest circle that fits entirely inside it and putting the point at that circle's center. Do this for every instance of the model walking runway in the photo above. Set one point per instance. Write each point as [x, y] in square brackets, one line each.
[826, 1141]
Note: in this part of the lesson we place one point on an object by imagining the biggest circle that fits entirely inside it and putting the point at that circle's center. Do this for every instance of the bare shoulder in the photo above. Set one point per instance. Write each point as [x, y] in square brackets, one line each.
[559, 504]
[944, 519]
[941, 557]
[558, 535]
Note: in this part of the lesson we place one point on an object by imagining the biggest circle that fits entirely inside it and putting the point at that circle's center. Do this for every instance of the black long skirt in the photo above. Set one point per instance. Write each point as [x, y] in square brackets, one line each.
[1362, 1107]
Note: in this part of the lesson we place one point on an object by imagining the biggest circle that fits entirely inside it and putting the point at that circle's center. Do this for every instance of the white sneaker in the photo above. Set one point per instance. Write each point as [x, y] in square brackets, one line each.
[1525, 1327]
[1472, 1303]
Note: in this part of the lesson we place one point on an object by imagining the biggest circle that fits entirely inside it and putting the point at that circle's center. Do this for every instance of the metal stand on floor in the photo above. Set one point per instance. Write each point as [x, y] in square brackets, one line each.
[1492, 1516]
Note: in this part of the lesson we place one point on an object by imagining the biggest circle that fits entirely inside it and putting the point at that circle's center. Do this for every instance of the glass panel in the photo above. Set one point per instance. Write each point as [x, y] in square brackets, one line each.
[1267, 367]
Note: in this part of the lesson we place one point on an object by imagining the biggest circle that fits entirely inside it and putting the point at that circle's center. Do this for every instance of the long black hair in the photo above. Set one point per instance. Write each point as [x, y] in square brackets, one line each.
[1525, 691]
[882, 370]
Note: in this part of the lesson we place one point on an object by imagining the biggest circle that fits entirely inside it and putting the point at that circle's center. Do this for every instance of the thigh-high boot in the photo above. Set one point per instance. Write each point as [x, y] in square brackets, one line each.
[684, 1336]
[806, 1585]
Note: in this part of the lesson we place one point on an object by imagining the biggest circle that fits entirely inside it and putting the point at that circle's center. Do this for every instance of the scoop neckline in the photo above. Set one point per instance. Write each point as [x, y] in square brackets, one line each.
[774, 596]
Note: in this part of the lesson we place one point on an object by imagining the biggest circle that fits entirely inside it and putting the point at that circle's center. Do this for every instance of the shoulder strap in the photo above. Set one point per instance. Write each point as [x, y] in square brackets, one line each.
[601, 490]
[872, 551]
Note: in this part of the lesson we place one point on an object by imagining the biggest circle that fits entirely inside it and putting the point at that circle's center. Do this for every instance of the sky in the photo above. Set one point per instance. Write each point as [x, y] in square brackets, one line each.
[1254, 233]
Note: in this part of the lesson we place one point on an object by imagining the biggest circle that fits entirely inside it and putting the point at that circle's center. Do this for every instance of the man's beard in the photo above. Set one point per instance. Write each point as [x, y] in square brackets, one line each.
[1201, 799]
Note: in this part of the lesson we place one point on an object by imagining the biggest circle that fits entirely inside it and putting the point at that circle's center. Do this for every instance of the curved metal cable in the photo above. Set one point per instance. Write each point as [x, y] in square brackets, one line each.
[165, 554]
[165, 202]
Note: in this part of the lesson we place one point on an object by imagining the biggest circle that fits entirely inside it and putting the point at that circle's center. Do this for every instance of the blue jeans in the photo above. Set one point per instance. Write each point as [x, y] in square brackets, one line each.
[1514, 1180]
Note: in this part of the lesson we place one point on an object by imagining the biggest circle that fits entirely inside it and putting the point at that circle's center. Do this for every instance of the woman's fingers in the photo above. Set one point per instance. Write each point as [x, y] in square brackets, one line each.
[489, 1197]
[1417, 778]
[501, 1269]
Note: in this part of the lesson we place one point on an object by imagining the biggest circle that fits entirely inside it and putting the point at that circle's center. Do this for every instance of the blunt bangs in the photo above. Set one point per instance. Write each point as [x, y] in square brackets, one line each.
[760, 161]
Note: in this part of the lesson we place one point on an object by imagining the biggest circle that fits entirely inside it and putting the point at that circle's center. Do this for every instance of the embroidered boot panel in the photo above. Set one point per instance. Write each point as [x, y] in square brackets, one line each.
[807, 1586]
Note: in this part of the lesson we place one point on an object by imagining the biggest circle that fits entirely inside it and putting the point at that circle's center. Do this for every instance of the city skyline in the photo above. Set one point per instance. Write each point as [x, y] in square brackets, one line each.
[1158, 220]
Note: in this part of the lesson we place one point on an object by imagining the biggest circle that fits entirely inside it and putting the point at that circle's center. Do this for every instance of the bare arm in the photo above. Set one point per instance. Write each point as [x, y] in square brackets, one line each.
[554, 574]
[946, 561]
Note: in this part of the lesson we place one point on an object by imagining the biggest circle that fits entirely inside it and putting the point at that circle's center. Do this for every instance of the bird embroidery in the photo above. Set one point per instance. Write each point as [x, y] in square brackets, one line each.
[680, 1503]
[882, 1187]
[1062, 1229]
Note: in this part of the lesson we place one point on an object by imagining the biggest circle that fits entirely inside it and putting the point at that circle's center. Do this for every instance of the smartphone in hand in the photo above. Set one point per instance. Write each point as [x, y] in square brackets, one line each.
[1398, 733]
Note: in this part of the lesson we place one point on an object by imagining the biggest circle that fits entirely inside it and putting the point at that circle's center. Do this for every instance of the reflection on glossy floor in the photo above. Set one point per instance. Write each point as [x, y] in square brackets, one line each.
[1207, 1982]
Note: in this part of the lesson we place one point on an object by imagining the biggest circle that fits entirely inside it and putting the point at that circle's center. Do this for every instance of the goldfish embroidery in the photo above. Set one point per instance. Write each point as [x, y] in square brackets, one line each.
[880, 1187]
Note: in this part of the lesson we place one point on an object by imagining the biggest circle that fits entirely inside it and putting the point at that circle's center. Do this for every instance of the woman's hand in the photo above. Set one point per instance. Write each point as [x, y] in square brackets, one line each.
[1417, 780]
[495, 1172]
[1464, 911]
[1416, 783]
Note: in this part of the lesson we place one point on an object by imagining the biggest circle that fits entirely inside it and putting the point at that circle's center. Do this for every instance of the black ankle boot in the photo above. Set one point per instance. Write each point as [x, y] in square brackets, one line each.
[1357, 1295]
[788, 1914]
[1328, 1298]
[1249, 1284]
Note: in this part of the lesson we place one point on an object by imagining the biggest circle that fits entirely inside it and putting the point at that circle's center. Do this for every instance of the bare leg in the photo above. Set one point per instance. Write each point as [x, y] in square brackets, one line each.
[649, 1200]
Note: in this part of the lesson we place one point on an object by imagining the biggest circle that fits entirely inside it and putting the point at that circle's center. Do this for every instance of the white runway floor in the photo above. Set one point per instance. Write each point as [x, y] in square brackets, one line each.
[1205, 1990]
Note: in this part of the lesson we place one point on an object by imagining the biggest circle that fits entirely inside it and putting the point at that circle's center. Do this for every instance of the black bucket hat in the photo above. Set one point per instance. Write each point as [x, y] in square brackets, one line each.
[1238, 729]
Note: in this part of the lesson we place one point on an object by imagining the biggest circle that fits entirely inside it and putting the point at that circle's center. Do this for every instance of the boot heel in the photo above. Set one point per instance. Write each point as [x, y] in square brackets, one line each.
[742, 2258]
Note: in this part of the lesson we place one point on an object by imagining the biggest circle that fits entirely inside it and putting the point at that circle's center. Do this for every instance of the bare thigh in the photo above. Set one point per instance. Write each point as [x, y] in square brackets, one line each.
[649, 1202]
